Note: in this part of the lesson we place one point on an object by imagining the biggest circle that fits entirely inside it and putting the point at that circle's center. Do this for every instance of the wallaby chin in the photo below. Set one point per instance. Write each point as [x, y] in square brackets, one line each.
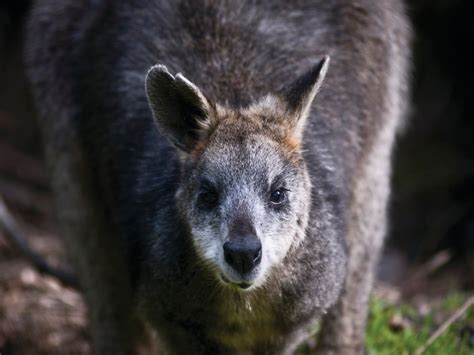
[214, 172]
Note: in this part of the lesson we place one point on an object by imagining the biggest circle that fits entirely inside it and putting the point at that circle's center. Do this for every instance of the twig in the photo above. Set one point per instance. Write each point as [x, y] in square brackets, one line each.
[25, 196]
[442, 328]
[21, 166]
[434, 263]
[13, 231]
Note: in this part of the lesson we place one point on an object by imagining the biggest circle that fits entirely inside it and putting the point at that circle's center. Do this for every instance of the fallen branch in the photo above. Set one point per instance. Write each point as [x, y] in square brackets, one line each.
[434, 263]
[24, 196]
[442, 328]
[13, 231]
[21, 166]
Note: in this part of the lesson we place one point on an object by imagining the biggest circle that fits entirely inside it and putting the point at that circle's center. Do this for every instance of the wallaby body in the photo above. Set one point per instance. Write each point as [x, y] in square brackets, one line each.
[162, 193]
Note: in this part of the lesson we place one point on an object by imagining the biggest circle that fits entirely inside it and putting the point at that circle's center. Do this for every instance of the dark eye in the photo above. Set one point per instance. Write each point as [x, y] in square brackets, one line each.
[278, 196]
[208, 198]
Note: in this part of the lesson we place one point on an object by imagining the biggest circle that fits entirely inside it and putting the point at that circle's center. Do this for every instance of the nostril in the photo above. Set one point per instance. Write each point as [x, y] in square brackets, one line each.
[257, 256]
[228, 253]
[243, 255]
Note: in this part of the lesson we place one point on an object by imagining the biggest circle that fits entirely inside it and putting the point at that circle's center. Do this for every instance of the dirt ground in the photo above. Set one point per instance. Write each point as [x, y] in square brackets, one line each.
[37, 314]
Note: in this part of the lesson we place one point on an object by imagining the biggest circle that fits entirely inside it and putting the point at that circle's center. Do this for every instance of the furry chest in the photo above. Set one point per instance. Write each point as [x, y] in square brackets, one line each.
[247, 324]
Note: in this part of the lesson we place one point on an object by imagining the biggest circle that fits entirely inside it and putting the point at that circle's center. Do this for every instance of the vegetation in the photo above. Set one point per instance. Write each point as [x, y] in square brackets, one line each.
[403, 329]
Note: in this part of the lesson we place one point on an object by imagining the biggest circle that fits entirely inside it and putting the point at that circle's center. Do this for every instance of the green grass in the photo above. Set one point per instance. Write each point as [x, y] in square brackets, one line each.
[382, 338]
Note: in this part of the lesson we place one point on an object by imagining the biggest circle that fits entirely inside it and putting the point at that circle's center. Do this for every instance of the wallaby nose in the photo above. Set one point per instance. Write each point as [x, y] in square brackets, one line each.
[243, 255]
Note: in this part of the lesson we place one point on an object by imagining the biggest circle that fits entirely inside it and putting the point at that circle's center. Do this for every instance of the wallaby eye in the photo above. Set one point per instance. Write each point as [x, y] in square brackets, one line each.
[278, 196]
[208, 198]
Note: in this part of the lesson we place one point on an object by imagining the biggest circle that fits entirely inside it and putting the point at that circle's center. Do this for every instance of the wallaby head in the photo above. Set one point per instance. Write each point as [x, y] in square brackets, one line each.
[245, 191]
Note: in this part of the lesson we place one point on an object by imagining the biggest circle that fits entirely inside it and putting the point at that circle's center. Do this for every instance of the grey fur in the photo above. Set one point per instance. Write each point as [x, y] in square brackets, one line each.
[127, 198]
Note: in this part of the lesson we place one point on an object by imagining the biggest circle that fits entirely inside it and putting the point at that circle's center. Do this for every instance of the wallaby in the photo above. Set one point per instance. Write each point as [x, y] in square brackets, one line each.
[221, 168]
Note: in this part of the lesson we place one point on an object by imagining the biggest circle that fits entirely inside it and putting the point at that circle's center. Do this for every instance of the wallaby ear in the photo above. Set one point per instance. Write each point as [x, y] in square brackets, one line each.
[300, 94]
[179, 108]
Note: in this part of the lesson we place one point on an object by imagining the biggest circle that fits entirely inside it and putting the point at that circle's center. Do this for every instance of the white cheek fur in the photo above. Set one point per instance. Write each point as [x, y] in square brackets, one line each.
[206, 243]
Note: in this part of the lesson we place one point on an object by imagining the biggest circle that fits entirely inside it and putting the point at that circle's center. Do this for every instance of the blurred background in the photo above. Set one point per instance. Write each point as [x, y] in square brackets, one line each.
[430, 248]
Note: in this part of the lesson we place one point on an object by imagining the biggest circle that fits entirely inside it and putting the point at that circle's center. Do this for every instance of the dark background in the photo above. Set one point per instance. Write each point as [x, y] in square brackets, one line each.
[433, 196]
[432, 206]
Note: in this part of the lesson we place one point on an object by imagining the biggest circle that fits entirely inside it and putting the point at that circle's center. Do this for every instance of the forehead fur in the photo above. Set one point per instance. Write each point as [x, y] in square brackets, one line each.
[268, 118]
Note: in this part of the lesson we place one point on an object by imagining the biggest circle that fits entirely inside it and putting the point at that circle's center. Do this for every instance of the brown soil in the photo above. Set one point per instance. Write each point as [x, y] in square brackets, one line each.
[37, 314]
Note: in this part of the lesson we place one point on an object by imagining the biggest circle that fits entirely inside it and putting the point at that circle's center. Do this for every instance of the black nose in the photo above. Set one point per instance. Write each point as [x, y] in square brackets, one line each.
[243, 255]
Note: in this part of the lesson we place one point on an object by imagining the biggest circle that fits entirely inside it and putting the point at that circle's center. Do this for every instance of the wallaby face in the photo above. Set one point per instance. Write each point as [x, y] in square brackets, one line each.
[244, 191]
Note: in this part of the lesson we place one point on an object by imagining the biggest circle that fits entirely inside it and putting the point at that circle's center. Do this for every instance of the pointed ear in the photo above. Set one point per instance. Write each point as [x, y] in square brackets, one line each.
[181, 111]
[299, 96]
